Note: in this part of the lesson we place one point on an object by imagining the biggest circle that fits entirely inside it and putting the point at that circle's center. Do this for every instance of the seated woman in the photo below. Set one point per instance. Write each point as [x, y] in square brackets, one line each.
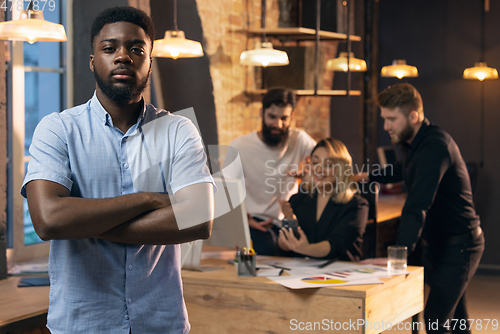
[331, 217]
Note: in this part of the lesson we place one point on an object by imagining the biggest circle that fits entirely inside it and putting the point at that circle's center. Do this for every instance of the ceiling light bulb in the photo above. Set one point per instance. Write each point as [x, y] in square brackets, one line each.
[175, 45]
[340, 63]
[399, 69]
[480, 72]
[31, 27]
[264, 55]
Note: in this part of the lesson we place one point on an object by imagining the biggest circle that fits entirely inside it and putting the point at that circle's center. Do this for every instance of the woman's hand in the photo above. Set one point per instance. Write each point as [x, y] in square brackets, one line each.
[261, 226]
[287, 210]
[289, 242]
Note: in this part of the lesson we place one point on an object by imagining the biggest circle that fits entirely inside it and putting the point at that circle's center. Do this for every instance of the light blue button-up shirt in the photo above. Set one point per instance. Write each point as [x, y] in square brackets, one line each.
[98, 286]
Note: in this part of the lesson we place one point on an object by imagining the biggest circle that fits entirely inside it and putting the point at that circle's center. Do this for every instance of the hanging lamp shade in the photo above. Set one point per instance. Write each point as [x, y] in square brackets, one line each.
[264, 55]
[31, 27]
[340, 63]
[399, 69]
[480, 72]
[175, 45]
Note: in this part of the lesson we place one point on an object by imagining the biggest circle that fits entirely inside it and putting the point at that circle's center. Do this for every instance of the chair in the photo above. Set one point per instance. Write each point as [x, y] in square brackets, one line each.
[370, 192]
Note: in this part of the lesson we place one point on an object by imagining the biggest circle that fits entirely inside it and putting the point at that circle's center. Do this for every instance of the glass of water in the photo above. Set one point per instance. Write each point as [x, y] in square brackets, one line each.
[396, 257]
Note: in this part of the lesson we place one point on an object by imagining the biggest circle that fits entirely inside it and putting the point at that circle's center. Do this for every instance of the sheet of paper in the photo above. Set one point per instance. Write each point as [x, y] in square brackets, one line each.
[321, 281]
[269, 272]
[340, 274]
[35, 268]
[295, 262]
[360, 272]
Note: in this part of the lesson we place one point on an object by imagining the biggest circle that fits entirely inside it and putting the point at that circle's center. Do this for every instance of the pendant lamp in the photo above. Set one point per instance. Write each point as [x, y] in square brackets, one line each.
[399, 69]
[481, 71]
[175, 45]
[340, 63]
[31, 27]
[264, 55]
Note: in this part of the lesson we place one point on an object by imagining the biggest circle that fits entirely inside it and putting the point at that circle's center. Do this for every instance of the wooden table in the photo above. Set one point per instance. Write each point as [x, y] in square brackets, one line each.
[390, 206]
[22, 308]
[389, 209]
[221, 302]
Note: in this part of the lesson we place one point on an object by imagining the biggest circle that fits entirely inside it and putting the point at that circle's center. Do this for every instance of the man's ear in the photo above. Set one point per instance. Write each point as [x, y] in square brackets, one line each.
[91, 63]
[262, 112]
[414, 116]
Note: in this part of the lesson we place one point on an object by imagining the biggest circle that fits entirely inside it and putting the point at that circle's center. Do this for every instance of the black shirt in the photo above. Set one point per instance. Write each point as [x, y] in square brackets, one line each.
[439, 189]
[342, 225]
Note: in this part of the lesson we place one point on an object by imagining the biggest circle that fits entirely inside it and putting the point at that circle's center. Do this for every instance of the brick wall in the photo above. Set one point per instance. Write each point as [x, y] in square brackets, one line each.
[224, 26]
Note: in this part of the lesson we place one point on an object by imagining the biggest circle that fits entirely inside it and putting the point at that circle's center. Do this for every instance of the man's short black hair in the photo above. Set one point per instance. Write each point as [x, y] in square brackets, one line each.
[122, 14]
[280, 97]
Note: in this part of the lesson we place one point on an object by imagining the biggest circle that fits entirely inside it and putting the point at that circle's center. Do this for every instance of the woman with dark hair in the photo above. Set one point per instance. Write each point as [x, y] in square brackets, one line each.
[331, 216]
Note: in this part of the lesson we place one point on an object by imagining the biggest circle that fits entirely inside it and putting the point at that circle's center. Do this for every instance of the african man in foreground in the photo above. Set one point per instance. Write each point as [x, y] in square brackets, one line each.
[112, 183]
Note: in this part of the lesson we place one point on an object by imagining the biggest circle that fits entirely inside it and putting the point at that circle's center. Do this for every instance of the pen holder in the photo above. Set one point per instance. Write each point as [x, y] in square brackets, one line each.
[246, 265]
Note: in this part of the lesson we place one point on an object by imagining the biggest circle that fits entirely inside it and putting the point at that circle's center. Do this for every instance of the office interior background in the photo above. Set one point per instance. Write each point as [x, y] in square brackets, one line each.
[440, 38]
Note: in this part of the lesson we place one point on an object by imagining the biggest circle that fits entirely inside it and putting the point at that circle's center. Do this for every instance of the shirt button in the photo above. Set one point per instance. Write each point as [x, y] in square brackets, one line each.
[130, 267]
[126, 316]
[129, 301]
[125, 165]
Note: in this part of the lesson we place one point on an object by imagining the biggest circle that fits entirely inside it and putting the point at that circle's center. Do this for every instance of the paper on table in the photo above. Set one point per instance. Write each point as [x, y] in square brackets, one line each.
[299, 271]
[359, 272]
[36, 268]
[295, 262]
[336, 275]
[318, 282]
[269, 272]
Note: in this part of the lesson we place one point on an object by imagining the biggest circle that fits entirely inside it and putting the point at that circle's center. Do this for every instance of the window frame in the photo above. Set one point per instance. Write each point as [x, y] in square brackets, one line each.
[17, 251]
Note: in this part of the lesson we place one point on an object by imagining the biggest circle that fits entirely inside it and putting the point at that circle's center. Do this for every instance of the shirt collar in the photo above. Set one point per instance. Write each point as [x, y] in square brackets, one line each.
[97, 107]
[104, 116]
[420, 134]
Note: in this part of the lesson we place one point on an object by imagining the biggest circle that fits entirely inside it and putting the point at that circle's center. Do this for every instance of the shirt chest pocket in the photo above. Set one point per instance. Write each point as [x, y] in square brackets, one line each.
[149, 164]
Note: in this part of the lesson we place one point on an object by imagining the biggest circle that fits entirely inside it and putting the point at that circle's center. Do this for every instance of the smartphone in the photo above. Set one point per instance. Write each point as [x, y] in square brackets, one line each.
[291, 223]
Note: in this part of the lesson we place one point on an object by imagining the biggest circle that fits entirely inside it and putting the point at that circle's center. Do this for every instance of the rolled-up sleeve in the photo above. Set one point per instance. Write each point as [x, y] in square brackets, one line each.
[189, 165]
[49, 154]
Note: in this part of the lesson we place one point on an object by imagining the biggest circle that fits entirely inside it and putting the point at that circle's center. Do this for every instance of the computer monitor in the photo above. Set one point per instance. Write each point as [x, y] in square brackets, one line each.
[230, 227]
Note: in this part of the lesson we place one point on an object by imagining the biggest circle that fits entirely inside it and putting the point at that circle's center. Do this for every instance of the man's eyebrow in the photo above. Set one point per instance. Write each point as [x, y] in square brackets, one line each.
[137, 41]
[132, 41]
[113, 40]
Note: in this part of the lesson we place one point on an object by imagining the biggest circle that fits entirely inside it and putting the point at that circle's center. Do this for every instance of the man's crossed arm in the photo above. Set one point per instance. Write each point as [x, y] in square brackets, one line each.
[140, 218]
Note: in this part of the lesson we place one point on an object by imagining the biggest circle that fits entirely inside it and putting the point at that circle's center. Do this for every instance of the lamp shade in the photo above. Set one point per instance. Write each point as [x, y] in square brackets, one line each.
[31, 27]
[264, 55]
[175, 45]
[340, 63]
[480, 72]
[399, 69]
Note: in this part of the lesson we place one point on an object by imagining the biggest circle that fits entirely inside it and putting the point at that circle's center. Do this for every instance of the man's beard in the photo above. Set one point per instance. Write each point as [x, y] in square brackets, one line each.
[122, 94]
[404, 135]
[272, 139]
